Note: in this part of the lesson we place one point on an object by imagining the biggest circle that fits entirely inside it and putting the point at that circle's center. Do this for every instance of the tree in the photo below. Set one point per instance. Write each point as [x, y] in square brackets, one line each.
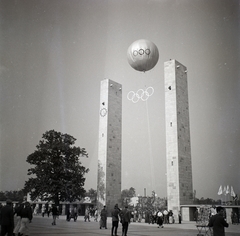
[92, 194]
[58, 174]
[13, 195]
[127, 194]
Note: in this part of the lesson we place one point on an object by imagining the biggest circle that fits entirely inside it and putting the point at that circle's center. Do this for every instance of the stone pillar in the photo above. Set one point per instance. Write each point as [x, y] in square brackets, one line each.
[178, 146]
[228, 214]
[109, 146]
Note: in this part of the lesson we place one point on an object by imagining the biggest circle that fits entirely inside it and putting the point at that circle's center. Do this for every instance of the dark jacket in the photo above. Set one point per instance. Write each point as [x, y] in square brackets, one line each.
[115, 212]
[125, 215]
[54, 210]
[18, 210]
[104, 214]
[26, 212]
[218, 223]
[6, 216]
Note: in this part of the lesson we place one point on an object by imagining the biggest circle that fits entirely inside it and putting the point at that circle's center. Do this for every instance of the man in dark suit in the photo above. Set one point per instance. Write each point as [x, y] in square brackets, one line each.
[26, 215]
[125, 216]
[6, 219]
[218, 223]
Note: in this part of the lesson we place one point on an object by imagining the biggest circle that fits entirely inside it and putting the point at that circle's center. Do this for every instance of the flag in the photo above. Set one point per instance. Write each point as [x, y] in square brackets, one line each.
[227, 190]
[232, 192]
[224, 190]
[220, 190]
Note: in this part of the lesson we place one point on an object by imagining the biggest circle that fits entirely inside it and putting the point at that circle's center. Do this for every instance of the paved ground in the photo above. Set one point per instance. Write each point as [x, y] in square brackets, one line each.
[43, 227]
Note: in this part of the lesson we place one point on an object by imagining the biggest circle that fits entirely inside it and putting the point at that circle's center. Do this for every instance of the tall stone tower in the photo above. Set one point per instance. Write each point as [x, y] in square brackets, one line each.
[178, 146]
[109, 146]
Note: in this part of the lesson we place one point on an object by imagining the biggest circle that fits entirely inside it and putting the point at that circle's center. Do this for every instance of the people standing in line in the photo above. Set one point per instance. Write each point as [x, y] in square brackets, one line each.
[26, 215]
[218, 223]
[103, 215]
[18, 218]
[125, 220]
[6, 218]
[115, 219]
[54, 214]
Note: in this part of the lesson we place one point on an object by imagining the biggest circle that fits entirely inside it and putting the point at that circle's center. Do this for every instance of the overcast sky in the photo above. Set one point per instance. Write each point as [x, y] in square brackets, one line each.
[54, 54]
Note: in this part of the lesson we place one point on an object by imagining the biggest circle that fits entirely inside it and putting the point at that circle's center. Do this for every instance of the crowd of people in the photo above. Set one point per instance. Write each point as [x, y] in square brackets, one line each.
[152, 217]
[91, 212]
[24, 217]
[15, 220]
[125, 216]
[216, 221]
[23, 213]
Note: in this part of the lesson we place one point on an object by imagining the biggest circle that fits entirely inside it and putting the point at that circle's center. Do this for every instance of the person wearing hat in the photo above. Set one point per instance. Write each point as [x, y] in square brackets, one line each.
[6, 218]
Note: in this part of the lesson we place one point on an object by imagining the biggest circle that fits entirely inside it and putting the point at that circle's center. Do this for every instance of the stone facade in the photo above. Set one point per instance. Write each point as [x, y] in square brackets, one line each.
[178, 146]
[109, 150]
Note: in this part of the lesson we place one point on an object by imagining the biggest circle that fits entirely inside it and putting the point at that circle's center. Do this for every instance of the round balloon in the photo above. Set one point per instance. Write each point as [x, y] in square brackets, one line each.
[142, 55]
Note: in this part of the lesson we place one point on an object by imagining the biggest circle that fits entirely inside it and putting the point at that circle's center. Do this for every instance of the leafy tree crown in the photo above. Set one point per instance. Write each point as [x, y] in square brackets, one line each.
[57, 172]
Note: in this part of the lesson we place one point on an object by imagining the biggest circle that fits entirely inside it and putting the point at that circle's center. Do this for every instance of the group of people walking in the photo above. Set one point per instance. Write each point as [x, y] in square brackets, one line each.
[72, 213]
[89, 213]
[19, 225]
[23, 218]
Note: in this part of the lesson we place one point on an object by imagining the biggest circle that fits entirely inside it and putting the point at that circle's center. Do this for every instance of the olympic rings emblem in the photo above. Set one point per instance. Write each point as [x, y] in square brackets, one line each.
[140, 94]
[141, 52]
